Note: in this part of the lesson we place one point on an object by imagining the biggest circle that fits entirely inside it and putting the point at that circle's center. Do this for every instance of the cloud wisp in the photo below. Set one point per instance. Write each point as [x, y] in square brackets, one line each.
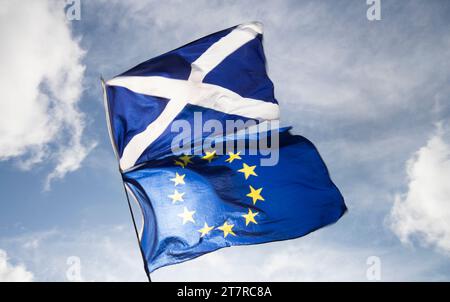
[13, 273]
[423, 212]
[41, 80]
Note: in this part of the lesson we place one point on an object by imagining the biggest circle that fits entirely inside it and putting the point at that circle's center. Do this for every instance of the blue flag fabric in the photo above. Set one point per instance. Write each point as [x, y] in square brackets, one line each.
[195, 204]
[219, 207]
[227, 65]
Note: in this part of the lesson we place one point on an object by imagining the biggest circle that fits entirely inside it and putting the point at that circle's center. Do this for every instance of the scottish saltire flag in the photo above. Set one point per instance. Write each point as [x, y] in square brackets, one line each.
[198, 200]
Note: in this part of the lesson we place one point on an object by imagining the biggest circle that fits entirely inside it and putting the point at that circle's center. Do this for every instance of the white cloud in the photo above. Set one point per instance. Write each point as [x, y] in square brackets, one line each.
[312, 258]
[320, 61]
[299, 260]
[41, 81]
[110, 253]
[11, 273]
[423, 212]
[106, 253]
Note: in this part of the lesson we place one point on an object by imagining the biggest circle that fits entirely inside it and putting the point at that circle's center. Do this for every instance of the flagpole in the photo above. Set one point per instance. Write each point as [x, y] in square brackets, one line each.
[108, 123]
[137, 233]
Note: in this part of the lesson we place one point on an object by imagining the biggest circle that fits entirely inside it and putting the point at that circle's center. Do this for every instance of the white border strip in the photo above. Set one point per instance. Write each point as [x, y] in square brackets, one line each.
[220, 50]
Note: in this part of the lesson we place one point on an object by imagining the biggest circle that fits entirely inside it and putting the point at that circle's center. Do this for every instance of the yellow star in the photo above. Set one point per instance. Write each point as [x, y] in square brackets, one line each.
[205, 230]
[250, 217]
[227, 229]
[248, 170]
[179, 179]
[179, 163]
[209, 156]
[186, 159]
[232, 156]
[187, 215]
[255, 194]
[176, 196]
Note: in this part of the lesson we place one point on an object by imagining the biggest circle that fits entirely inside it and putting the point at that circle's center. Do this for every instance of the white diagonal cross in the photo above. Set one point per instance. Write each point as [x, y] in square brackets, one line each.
[194, 91]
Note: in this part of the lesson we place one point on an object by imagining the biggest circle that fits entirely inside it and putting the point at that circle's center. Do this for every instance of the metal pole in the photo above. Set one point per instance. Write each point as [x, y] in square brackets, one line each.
[137, 234]
[110, 132]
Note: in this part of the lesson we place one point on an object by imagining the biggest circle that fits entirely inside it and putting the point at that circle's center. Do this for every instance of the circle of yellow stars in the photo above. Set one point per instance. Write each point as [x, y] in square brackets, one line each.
[187, 215]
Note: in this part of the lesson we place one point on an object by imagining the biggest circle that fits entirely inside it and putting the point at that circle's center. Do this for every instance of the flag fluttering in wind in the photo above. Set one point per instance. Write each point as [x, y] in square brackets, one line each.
[209, 187]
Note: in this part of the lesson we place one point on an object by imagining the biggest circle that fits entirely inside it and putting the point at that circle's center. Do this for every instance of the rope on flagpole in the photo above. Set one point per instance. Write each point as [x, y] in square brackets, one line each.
[137, 233]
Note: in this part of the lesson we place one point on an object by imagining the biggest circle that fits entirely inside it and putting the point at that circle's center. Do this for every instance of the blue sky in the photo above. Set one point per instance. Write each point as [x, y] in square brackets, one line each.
[372, 96]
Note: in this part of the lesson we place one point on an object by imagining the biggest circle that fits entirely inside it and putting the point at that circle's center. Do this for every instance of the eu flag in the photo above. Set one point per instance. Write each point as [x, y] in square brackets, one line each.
[200, 191]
